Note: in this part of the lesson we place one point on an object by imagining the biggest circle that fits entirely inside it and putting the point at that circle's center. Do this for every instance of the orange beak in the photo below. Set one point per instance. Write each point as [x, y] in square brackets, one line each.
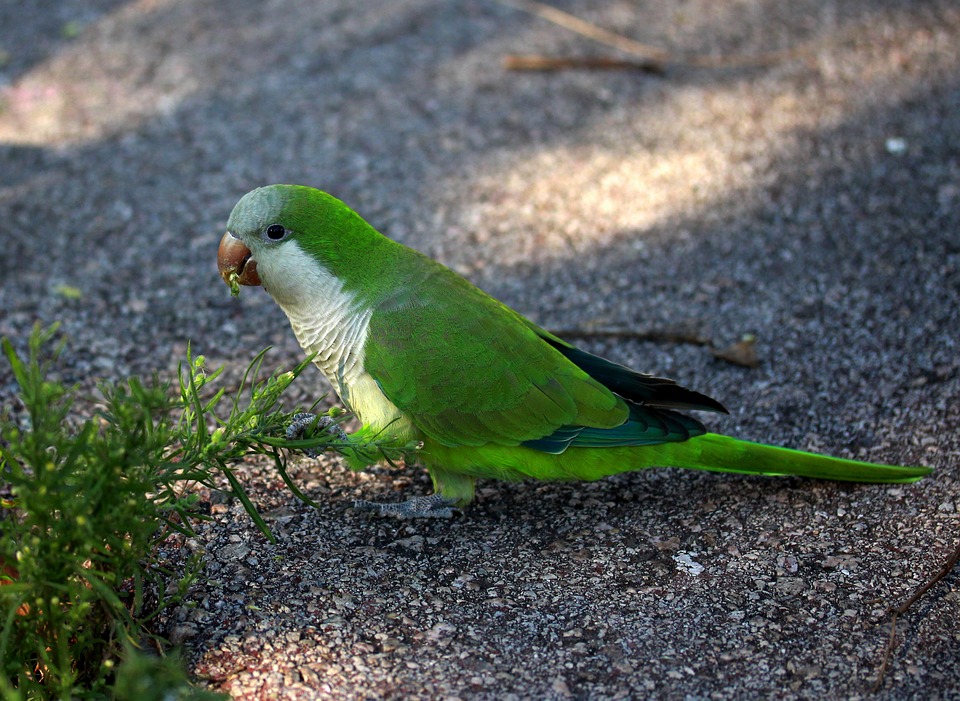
[233, 259]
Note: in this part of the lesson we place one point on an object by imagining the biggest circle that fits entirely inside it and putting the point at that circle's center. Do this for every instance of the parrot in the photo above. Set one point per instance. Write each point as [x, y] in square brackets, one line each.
[422, 357]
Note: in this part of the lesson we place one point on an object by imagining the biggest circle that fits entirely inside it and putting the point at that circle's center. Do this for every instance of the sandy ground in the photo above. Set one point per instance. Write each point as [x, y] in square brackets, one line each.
[813, 202]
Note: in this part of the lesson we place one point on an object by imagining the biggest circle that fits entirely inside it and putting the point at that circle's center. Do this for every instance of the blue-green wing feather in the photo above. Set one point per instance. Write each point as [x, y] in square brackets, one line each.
[645, 426]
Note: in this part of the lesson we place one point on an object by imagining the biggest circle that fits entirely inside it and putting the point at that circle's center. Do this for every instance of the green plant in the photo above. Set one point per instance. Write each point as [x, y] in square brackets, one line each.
[90, 502]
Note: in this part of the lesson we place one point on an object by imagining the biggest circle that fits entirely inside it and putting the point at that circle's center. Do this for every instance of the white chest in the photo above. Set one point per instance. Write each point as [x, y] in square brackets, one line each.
[329, 322]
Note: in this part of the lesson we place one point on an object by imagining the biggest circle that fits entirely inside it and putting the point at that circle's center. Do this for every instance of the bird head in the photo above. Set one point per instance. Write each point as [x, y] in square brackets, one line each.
[255, 230]
[280, 235]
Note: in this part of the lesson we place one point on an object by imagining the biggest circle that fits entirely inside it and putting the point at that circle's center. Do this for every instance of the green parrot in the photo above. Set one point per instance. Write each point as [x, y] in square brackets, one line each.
[422, 357]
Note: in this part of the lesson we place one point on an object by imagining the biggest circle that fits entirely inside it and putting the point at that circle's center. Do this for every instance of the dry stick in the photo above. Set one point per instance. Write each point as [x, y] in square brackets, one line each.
[652, 54]
[587, 29]
[536, 62]
[902, 609]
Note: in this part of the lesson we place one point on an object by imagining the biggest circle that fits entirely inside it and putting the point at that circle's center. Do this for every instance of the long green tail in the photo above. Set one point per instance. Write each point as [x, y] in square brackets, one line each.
[717, 453]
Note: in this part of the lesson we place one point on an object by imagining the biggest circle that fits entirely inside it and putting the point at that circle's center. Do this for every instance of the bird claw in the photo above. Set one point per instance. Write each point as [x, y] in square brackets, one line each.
[303, 420]
[433, 506]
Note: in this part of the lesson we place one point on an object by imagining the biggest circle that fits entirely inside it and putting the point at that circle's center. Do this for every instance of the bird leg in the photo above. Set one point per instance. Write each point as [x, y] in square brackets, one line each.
[303, 420]
[433, 506]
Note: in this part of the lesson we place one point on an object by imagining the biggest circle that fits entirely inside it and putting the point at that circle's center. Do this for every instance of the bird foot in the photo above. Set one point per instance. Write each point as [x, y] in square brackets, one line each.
[302, 421]
[433, 506]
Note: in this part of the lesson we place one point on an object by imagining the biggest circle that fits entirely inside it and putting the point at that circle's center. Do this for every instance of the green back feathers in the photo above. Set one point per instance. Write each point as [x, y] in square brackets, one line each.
[468, 371]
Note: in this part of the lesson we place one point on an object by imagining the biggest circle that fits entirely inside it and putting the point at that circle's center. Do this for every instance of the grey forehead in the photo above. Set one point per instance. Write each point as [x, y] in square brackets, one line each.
[254, 210]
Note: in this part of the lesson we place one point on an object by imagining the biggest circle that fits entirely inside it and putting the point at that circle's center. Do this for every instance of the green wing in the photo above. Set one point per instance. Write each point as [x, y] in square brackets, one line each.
[468, 370]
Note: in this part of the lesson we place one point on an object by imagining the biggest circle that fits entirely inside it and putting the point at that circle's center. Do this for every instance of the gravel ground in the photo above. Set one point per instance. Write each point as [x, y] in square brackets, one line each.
[813, 202]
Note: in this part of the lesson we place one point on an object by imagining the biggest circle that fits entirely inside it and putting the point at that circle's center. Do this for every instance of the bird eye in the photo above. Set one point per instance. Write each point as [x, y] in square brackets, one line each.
[275, 232]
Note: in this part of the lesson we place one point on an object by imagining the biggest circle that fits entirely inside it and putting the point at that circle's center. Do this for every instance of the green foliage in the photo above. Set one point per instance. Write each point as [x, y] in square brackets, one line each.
[145, 677]
[80, 574]
[254, 428]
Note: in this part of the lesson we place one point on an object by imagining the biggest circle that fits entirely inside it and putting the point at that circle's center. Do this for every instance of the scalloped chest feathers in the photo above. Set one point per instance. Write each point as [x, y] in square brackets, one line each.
[328, 321]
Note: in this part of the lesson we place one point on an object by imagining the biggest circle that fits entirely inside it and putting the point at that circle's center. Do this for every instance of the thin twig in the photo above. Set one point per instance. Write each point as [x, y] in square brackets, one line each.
[536, 62]
[587, 29]
[655, 55]
[944, 571]
[902, 609]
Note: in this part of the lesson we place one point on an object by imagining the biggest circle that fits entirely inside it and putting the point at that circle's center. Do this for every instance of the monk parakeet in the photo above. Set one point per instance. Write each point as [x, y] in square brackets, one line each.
[422, 357]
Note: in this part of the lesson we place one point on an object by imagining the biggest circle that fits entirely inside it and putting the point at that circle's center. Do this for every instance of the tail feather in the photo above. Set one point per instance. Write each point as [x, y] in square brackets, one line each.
[717, 453]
